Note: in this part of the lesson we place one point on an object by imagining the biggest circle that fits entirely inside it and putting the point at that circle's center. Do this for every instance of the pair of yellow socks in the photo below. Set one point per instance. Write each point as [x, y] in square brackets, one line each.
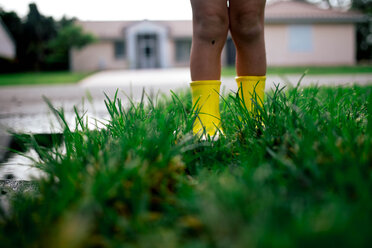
[205, 101]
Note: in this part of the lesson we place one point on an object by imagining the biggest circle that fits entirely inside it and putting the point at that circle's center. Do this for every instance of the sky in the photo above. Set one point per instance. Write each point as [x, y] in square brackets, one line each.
[111, 9]
[106, 9]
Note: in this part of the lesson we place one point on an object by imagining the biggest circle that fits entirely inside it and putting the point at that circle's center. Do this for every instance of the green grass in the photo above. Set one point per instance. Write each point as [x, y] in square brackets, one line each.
[297, 175]
[37, 78]
[311, 70]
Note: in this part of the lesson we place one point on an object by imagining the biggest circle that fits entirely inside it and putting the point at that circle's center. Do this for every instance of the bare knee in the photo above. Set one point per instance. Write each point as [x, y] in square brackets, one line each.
[211, 27]
[246, 26]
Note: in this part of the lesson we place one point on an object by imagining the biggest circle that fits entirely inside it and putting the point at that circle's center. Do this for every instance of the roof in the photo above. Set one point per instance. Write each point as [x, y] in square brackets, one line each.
[116, 29]
[303, 12]
[288, 12]
[7, 44]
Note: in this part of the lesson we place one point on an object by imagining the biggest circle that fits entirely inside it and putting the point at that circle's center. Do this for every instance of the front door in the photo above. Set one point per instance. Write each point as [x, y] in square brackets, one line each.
[147, 51]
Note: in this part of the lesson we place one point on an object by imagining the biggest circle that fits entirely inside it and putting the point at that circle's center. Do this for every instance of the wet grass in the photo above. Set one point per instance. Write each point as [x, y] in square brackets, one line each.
[40, 78]
[298, 174]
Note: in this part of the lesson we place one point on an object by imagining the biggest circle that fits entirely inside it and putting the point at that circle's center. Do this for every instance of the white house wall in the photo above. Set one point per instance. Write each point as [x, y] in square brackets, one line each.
[331, 44]
[97, 56]
[7, 47]
[172, 53]
[324, 44]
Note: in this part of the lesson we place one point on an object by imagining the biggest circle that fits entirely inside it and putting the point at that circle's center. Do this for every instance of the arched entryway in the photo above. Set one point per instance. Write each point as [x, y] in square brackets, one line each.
[147, 46]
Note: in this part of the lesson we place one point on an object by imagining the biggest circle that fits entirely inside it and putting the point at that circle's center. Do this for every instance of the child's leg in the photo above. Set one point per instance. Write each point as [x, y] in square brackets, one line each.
[247, 30]
[210, 27]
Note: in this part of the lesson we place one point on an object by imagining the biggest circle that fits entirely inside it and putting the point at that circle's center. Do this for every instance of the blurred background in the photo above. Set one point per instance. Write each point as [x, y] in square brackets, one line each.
[89, 36]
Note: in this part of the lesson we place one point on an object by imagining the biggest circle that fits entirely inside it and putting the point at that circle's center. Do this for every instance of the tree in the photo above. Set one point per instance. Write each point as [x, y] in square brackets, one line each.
[12, 22]
[68, 37]
[14, 25]
[38, 30]
[42, 43]
[363, 5]
[364, 30]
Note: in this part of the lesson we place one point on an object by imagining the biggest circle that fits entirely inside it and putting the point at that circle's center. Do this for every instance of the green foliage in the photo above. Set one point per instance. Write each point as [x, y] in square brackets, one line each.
[36, 31]
[297, 173]
[363, 29]
[12, 22]
[42, 43]
[364, 6]
[39, 78]
[68, 37]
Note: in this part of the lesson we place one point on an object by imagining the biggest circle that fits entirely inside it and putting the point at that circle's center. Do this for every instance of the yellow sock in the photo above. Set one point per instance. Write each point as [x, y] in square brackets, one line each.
[251, 88]
[205, 101]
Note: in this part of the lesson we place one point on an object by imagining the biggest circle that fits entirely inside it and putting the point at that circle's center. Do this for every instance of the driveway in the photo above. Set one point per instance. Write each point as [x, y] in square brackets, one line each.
[180, 77]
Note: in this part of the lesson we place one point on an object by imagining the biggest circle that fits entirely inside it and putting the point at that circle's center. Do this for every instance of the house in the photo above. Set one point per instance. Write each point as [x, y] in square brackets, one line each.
[134, 44]
[7, 46]
[299, 34]
[296, 33]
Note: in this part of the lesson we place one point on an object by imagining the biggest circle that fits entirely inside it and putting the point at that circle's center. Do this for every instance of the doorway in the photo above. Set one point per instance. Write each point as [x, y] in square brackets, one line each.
[230, 52]
[147, 51]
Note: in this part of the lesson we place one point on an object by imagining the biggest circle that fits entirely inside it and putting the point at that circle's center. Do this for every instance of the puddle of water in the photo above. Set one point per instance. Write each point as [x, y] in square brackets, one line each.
[14, 166]
[19, 167]
[46, 123]
[37, 119]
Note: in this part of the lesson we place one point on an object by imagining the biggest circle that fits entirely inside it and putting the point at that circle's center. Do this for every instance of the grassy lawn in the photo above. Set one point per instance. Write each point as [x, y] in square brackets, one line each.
[230, 71]
[34, 78]
[297, 175]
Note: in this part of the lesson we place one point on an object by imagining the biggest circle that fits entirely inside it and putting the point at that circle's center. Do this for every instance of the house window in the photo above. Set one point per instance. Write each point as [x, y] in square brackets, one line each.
[300, 38]
[119, 47]
[183, 47]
